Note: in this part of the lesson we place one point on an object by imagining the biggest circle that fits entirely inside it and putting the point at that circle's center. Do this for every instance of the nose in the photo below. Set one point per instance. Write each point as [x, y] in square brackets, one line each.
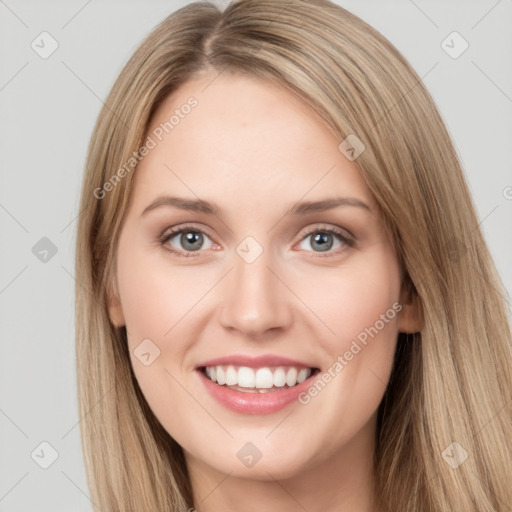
[254, 298]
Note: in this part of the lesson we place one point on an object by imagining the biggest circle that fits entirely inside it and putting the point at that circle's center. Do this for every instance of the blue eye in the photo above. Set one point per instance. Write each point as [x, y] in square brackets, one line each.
[192, 239]
[324, 239]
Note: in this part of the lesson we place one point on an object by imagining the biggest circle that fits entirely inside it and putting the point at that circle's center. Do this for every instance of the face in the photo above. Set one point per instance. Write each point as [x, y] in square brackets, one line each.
[273, 265]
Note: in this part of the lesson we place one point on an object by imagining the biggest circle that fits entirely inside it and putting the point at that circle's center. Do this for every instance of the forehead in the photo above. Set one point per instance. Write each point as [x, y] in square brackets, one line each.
[232, 136]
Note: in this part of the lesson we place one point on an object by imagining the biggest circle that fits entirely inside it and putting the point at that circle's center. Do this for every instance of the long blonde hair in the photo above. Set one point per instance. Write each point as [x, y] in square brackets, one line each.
[451, 382]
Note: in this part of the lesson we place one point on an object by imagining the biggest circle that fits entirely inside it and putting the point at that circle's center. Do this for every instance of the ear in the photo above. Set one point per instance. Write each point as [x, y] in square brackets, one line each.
[410, 318]
[115, 310]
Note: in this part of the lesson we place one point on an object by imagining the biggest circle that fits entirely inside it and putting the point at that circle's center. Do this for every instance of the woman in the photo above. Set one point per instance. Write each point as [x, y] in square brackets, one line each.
[286, 302]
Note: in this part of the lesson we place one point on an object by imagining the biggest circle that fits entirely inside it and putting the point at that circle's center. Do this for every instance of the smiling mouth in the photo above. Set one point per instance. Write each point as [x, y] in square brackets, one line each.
[257, 380]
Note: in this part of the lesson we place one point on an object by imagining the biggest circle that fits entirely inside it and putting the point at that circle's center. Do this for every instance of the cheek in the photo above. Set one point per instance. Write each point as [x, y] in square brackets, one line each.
[355, 297]
[161, 304]
[155, 296]
[361, 308]
[359, 305]
[155, 302]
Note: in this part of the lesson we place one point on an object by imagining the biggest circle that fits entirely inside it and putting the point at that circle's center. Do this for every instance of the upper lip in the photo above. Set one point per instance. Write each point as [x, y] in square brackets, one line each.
[254, 362]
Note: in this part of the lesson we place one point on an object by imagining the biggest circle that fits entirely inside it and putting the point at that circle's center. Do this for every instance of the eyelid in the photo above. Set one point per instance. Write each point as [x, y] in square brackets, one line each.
[182, 227]
[320, 227]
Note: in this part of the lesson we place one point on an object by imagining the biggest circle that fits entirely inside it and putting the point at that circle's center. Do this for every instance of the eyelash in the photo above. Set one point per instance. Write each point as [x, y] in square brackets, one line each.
[168, 235]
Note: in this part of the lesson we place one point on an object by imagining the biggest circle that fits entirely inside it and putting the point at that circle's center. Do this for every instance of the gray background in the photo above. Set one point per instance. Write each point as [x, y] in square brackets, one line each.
[47, 110]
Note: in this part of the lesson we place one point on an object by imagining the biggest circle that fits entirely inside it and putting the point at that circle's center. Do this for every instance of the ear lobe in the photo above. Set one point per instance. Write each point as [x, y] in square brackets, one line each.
[115, 310]
[410, 318]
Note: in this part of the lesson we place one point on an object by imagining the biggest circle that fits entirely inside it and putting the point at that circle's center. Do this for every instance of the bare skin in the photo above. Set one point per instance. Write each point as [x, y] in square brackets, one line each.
[255, 151]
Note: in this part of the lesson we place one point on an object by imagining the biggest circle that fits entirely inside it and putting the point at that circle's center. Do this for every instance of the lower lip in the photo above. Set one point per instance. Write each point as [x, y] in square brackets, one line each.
[255, 403]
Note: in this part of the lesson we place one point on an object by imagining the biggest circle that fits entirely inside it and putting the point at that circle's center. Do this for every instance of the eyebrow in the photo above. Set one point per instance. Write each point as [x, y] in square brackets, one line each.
[302, 208]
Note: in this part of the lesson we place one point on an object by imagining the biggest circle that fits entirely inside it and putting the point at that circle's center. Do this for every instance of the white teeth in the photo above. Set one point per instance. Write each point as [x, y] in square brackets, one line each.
[231, 376]
[221, 376]
[264, 378]
[303, 375]
[291, 377]
[246, 377]
[211, 372]
[279, 378]
[260, 378]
